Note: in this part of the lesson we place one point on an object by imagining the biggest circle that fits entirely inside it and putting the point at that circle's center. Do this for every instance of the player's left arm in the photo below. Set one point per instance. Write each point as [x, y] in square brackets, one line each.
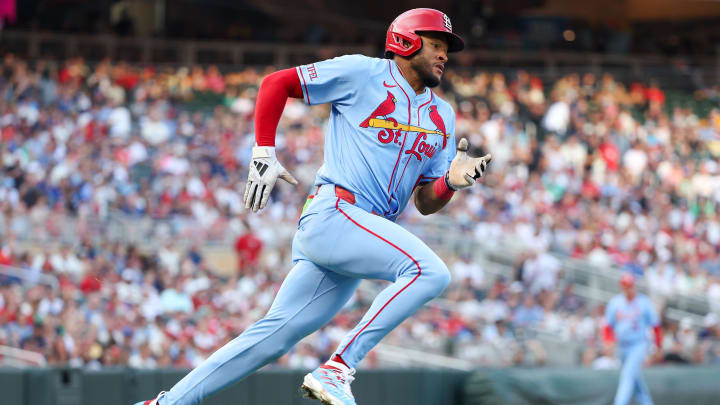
[464, 171]
[653, 320]
[608, 335]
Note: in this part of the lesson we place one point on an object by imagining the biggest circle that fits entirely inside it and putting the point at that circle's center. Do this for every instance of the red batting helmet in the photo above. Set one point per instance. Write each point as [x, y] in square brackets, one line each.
[408, 24]
[627, 280]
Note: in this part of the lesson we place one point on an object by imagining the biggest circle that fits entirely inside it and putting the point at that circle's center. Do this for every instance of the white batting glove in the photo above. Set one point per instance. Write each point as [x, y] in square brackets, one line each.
[264, 172]
[464, 170]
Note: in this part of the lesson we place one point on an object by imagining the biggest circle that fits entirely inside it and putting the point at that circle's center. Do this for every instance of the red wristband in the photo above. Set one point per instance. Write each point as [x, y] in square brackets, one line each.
[442, 191]
[608, 335]
[658, 336]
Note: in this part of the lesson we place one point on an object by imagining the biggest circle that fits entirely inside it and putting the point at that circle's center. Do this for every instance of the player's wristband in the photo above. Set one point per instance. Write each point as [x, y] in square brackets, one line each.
[447, 182]
[443, 190]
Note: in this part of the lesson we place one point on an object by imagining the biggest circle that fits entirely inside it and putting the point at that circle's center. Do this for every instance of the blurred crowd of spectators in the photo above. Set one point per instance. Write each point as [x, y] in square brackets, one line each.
[584, 166]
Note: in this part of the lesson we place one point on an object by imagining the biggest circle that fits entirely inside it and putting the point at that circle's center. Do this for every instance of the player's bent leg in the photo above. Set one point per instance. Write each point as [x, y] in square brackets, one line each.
[330, 382]
[369, 246]
[397, 302]
[309, 297]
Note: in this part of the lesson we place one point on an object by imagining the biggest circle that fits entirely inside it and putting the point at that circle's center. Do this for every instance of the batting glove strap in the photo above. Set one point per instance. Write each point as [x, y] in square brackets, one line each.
[464, 170]
[447, 182]
[262, 176]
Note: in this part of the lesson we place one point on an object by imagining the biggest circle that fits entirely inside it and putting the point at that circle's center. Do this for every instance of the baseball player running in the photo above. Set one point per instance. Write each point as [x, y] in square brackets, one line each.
[628, 316]
[389, 138]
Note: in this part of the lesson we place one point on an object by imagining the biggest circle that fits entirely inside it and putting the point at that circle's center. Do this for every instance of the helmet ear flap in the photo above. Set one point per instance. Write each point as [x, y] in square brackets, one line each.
[402, 41]
[409, 46]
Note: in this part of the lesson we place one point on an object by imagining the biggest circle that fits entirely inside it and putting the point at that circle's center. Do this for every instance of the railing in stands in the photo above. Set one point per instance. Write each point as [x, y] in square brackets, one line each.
[679, 71]
[404, 357]
[14, 357]
[169, 51]
[440, 232]
[29, 277]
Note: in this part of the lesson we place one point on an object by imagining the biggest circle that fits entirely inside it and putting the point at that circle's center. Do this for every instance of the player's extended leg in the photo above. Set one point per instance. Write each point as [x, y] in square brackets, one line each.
[309, 297]
[632, 358]
[361, 244]
[642, 393]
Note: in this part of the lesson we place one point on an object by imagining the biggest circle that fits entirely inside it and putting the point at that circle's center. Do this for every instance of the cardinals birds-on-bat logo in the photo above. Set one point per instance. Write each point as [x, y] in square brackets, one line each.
[439, 123]
[385, 108]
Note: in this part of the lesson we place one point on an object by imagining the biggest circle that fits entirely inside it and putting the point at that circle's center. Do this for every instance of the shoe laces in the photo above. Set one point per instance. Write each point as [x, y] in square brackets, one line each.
[160, 395]
[348, 375]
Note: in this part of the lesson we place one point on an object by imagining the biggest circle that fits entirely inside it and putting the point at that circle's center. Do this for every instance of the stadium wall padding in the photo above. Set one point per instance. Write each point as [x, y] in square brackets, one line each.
[538, 386]
[123, 386]
[669, 385]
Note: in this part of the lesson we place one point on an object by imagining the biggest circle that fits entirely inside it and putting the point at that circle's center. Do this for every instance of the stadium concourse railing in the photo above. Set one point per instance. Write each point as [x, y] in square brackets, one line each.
[26, 277]
[550, 64]
[597, 284]
[14, 357]
[168, 51]
[443, 233]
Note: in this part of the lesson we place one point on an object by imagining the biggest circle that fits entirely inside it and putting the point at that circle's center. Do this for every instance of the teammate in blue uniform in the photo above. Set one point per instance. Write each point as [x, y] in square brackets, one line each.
[628, 317]
[389, 138]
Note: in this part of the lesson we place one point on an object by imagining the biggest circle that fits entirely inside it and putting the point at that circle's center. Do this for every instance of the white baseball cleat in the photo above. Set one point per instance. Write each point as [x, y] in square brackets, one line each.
[330, 384]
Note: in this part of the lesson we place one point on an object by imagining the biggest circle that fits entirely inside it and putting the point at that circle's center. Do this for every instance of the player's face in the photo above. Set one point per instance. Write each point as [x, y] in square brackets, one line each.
[429, 63]
[628, 289]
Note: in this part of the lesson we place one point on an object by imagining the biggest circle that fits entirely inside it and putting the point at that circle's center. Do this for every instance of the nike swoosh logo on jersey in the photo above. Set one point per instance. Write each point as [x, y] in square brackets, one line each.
[388, 85]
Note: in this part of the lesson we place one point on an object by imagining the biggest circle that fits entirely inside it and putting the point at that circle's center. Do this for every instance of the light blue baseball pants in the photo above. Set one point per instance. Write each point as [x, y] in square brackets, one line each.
[336, 245]
[631, 380]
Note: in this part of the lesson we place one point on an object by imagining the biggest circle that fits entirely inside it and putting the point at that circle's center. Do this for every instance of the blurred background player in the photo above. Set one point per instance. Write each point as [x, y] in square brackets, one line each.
[628, 316]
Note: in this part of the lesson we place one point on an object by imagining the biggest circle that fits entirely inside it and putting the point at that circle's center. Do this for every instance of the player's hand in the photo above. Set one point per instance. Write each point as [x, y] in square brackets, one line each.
[264, 172]
[464, 170]
[657, 357]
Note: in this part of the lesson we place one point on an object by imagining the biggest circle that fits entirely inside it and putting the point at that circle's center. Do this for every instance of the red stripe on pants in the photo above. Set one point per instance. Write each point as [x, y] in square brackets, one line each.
[397, 293]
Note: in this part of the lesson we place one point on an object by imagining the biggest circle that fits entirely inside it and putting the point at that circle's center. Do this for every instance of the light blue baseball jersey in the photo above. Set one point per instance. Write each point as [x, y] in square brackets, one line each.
[630, 320]
[383, 139]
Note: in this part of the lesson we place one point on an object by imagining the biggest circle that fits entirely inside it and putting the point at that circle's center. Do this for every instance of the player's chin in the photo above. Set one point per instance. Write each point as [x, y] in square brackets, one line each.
[432, 80]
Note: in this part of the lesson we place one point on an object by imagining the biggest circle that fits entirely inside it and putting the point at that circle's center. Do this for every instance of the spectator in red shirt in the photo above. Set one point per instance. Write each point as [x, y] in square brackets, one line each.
[248, 247]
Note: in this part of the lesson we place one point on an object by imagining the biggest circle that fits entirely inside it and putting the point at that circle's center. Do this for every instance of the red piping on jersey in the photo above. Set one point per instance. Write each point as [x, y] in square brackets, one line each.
[418, 122]
[402, 147]
[304, 84]
[432, 95]
[403, 144]
[397, 293]
[402, 174]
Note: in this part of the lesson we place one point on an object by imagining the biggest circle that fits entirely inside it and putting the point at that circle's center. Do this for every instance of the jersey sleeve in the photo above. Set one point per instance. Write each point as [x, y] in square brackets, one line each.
[437, 167]
[651, 315]
[334, 80]
[610, 313]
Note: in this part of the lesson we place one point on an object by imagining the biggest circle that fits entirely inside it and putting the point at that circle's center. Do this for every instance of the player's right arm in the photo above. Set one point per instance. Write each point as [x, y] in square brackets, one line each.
[331, 81]
[264, 166]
